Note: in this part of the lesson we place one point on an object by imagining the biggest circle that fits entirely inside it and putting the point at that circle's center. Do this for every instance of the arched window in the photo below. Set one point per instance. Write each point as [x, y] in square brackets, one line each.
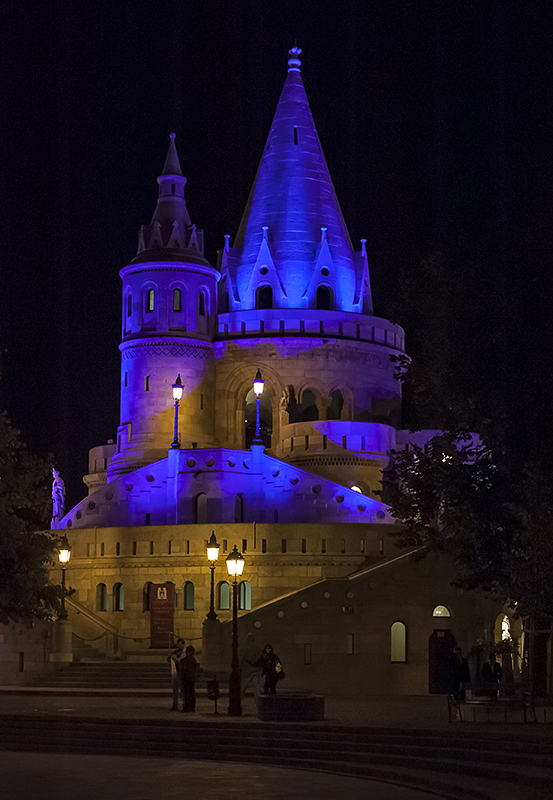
[129, 304]
[264, 297]
[102, 597]
[177, 300]
[201, 304]
[325, 298]
[223, 596]
[244, 596]
[146, 596]
[200, 508]
[239, 508]
[398, 642]
[441, 611]
[309, 410]
[334, 410]
[150, 295]
[118, 597]
[188, 591]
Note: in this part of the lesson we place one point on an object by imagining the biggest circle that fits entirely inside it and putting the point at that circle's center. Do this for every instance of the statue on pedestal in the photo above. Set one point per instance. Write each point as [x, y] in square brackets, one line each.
[58, 496]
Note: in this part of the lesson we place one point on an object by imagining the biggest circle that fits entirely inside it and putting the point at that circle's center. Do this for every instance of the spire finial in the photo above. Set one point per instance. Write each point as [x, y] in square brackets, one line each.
[294, 63]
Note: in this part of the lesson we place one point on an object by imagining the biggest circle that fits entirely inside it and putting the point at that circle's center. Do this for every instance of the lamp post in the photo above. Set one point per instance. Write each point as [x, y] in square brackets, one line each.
[64, 554]
[212, 556]
[178, 389]
[258, 385]
[235, 566]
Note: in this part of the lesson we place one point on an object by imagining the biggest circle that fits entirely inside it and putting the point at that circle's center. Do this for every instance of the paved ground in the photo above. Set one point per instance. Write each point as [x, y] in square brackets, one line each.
[425, 712]
[89, 777]
[66, 777]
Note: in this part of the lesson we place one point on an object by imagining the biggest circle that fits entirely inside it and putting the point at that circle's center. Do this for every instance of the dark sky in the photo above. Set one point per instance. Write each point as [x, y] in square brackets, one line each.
[436, 119]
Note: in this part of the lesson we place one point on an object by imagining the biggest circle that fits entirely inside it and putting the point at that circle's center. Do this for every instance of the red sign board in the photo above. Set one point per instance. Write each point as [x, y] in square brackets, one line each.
[161, 614]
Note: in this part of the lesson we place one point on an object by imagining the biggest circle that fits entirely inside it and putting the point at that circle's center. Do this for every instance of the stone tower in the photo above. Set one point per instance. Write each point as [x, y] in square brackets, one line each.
[295, 301]
[169, 304]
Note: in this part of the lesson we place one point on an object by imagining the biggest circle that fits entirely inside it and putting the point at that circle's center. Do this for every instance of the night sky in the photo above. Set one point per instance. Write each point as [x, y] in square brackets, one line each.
[436, 119]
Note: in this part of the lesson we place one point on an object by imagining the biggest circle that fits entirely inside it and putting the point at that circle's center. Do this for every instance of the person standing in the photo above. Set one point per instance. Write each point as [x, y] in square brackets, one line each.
[491, 674]
[173, 659]
[187, 674]
[251, 665]
[270, 670]
[459, 672]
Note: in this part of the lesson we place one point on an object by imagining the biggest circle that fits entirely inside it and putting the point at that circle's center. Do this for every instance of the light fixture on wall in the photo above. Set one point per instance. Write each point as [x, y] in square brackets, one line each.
[178, 389]
[235, 566]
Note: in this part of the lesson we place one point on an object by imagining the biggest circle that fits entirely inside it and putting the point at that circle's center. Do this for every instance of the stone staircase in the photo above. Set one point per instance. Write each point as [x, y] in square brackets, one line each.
[118, 676]
[457, 765]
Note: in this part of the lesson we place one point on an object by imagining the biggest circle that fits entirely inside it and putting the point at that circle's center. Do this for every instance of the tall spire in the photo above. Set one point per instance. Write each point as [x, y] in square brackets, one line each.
[170, 234]
[293, 198]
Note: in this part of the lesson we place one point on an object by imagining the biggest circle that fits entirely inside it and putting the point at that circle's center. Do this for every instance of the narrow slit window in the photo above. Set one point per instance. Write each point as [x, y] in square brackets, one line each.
[201, 304]
[264, 545]
[349, 644]
[150, 300]
[151, 545]
[304, 545]
[129, 305]
[177, 300]
[323, 546]
[283, 543]
[117, 548]
[147, 383]
[295, 135]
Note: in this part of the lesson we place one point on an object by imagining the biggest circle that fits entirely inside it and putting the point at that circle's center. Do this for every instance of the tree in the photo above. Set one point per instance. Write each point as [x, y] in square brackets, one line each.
[26, 554]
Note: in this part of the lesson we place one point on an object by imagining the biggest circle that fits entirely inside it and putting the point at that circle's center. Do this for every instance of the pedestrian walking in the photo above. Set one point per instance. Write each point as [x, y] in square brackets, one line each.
[187, 674]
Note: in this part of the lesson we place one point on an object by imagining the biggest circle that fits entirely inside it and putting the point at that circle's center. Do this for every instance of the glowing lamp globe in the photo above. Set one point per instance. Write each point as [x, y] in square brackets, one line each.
[212, 548]
[178, 389]
[258, 384]
[64, 553]
[235, 563]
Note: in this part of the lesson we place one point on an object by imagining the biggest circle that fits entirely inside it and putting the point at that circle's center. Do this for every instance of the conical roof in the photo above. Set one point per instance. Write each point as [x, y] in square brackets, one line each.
[293, 197]
[170, 234]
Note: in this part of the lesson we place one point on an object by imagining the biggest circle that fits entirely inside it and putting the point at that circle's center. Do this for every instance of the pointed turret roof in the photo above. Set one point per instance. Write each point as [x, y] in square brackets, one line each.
[170, 234]
[293, 197]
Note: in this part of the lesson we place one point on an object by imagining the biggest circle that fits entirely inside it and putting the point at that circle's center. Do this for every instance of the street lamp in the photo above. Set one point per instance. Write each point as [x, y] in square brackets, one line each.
[64, 554]
[212, 556]
[178, 389]
[235, 566]
[258, 384]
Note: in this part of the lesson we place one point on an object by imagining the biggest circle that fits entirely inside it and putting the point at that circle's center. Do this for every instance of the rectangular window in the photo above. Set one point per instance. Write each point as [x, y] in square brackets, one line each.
[362, 546]
[345, 442]
[188, 547]
[201, 402]
[129, 305]
[307, 442]
[283, 545]
[264, 545]
[147, 383]
[349, 644]
[125, 378]
[117, 548]
[324, 443]
[307, 654]
[90, 549]
[134, 548]
[102, 549]
[244, 545]
[150, 300]
[323, 545]
[291, 444]
[304, 545]
[169, 546]
[295, 135]
[147, 520]
[225, 545]
[381, 544]
[343, 545]
[151, 548]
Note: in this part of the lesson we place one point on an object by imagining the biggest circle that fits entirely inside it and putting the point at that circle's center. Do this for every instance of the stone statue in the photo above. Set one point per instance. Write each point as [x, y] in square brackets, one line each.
[58, 496]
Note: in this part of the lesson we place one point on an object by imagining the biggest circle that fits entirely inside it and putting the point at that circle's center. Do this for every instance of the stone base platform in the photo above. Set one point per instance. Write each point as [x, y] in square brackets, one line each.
[291, 707]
